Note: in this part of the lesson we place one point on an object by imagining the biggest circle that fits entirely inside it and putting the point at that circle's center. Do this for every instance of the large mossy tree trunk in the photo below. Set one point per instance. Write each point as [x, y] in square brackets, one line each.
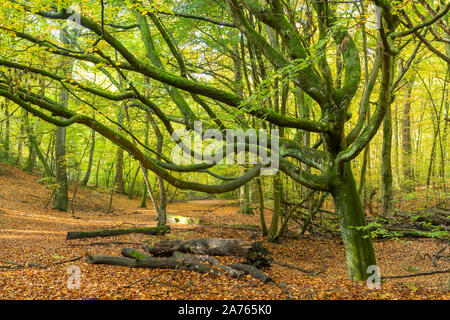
[358, 245]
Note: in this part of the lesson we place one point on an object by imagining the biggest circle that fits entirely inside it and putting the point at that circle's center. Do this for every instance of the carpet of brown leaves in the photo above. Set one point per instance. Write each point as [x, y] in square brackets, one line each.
[30, 232]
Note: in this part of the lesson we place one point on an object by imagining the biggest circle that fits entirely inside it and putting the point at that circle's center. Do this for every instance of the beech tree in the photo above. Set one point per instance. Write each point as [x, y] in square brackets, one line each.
[325, 71]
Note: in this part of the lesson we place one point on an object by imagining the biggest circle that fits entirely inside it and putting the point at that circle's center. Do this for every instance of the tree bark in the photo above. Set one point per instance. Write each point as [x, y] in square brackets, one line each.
[272, 234]
[61, 195]
[159, 230]
[359, 251]
[254, 252]
[6, 143]
[91, 158]
[261, 207]
[118, 180]
[35, 145]
[248, 269]
[161, 208]
[226, 269]
[408, 175]
[151, 263]
[386, 165]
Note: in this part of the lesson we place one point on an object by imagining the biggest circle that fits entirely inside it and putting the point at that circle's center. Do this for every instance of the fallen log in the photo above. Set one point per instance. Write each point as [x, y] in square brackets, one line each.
[17, 265]
[152, 263]
[248, 269]
[253, 252]
[134, 254]
[287, 265]
[412, 233]
[431, 216]
[416, 274]
[226, 269]
[103, 243]
[159, 230]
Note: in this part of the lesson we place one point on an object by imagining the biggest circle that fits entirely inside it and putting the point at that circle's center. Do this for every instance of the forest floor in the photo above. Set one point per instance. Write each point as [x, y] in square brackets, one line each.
[31, 232]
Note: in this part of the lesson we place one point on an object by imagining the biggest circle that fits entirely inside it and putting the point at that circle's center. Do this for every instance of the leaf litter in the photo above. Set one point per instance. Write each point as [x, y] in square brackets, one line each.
[32, 235]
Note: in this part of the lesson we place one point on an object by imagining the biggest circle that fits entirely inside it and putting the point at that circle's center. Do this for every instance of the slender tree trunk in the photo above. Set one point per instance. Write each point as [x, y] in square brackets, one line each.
[162, 215]
[118, 181]
[20, 142]
[143, 203]
[130, 192]
[386, 166]
[61, 194]
[261, 206]
[363, 189]
[91, 158]
[396, 160]
[37, 149]
[408, 175]
[273, 230]
[31, 160]
[6, 142]
[97, 171]
[244, 191]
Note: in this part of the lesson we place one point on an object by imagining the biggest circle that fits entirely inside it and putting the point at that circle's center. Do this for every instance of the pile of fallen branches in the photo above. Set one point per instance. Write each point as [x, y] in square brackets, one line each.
[432, 221]
[195, 255]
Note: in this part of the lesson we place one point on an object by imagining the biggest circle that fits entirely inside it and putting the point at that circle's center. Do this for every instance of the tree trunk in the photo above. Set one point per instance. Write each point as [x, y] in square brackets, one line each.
[244, 199]
[386, 165]
[118, 181]
[61, 194]
[133, 182]
[408, 176]
[91, 158]
[359, 251]
[20, 142]
[37, 149]
[7, 130]
[143, 203]
[261, 206]
[161, 209]
[272, 234]
[31, 160]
